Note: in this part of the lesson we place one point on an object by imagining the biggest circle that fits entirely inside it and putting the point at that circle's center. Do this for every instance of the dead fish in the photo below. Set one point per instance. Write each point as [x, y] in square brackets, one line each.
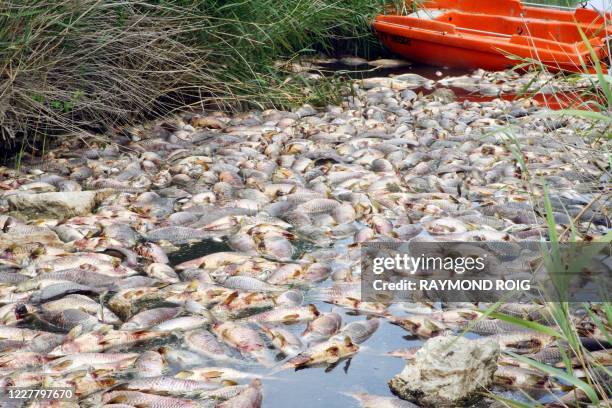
[216, 374]
[151, 317]
[518, 377]
[405, 353]
[523, 310]
[250, 397]
[354, 303]
[245, 339]
[183, 323]
[318, 206]
[82, 382]
[329, 352]
[128, 256]
[571, 399]
[283, 340]
[248, 283]
[103, 339]
[162, 272]
[455, 315]
[123, 302]
[82, 275]
[548, 355]
[152, 252]
[527, 342]
[322, 327]
[177, 235]
[291, 297]
[68, 318]
[358, 331]
[116, 361]
[179, 357]
[599, 357]
[22, 359]
[353, 61]
[235, 305]
[170, 386]
[213, 261]
[488, 327]
[136, 398]
[377, 401]
[58, 290]
[149, 364]
[224, 393]
[421, 326]
[286, 315]
[205, 343]
[83, 303]
[23, 334]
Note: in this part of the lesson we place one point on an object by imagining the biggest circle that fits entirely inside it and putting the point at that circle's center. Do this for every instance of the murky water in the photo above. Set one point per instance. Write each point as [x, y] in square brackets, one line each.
[368, 371]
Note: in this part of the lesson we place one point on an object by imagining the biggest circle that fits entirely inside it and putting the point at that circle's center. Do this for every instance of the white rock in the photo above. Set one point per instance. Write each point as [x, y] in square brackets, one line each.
[53, 205]
[448, 371]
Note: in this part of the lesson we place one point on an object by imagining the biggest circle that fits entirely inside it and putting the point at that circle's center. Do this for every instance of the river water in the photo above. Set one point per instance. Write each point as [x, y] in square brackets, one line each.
[371, 369]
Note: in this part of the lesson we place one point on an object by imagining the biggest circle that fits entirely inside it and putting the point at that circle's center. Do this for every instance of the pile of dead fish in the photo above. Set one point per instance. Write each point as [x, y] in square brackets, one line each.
[92, 298]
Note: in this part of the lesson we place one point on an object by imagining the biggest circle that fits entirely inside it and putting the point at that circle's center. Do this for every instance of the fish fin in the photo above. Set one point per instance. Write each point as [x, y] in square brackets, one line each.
[119, 399]
[331, 367]
[104, 329]
[291, 317]
[214, 374]
[313, 309]
[333, 350]
[99, 372]
[468, 315]
[193, 286]
[46, 381]
[230, 298]
[62, 365]
[75, 332]
[106, 382]
[250, 297]
[229, 383]
[348, 342]
[431, 324]
[185, 374]
[282, 339]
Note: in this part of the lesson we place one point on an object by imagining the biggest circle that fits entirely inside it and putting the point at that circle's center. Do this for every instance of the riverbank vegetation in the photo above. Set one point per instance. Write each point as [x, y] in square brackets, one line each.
[92, 65]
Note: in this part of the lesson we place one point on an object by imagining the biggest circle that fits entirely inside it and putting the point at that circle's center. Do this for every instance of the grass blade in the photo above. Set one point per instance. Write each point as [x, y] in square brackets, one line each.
[555, 372]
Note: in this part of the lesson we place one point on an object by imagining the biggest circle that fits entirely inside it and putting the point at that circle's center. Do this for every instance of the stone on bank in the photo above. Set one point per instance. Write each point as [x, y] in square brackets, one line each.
[448, 371]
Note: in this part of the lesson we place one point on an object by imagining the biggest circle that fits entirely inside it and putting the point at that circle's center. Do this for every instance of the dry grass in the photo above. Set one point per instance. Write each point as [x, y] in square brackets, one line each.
[69, 66]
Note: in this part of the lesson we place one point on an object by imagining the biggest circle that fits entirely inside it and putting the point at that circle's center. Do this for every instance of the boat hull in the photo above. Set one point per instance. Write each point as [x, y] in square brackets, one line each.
[443, 55]
[464, 38]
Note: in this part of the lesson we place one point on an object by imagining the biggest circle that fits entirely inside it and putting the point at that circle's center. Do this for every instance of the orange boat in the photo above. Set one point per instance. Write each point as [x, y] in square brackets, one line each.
[495, 35]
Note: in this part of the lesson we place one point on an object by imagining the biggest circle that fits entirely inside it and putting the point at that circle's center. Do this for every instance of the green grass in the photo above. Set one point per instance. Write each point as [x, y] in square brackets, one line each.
[597, 392]
[78, 67]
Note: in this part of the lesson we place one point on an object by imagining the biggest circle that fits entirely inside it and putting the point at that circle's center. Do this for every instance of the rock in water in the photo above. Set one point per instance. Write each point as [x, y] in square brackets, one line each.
[448, 371]
[56, 205]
